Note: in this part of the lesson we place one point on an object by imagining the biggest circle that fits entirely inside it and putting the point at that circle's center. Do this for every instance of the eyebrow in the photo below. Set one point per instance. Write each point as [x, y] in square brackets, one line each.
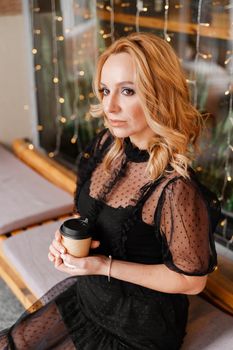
[121, 83]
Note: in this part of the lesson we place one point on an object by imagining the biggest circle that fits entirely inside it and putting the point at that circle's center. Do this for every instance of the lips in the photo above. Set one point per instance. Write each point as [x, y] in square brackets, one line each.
[116, 122]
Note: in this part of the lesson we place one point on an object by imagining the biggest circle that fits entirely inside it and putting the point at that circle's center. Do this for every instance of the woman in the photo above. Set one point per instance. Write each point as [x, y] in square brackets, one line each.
[151, 219]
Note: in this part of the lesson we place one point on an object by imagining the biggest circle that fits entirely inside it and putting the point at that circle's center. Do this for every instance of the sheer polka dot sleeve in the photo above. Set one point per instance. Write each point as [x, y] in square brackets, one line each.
[188, 242]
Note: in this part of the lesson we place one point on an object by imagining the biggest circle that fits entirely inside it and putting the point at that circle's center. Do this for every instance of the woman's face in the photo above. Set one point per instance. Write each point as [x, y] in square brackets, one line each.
[121, 103]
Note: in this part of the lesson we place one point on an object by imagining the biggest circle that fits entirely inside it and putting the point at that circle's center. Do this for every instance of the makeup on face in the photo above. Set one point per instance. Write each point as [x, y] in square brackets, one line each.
[121, 103]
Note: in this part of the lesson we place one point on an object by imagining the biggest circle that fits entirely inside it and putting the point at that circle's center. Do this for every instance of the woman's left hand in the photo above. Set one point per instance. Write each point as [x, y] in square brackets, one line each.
[90, 265]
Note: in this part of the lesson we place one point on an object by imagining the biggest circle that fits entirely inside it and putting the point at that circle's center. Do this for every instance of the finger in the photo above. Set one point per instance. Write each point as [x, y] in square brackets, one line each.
[58, 236]
[58, 246]
[95, 244]
[58, 261]
[51, 257]
[54, 251]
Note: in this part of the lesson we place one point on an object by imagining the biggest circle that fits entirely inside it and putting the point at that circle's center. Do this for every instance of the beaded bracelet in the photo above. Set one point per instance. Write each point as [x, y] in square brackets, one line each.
[109, 268]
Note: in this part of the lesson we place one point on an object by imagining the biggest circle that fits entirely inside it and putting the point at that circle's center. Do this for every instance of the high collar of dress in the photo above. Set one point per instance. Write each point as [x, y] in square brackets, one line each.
[133, 153]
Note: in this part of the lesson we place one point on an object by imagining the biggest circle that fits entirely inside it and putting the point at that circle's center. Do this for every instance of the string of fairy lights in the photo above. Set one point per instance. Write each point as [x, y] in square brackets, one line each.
[140, 8]
[107, 35]
[58, 99]
[229, 120]
[165, 30]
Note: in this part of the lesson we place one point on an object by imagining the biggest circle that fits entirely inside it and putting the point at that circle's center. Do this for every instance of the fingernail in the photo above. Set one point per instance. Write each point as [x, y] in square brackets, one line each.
[63, 256]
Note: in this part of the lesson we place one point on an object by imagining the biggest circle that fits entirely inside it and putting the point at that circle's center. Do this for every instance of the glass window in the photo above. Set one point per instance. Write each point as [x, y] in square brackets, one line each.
[68, 35]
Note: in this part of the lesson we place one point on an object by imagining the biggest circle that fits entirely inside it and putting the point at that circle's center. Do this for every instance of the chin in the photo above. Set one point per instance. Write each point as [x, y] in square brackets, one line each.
[119, 132]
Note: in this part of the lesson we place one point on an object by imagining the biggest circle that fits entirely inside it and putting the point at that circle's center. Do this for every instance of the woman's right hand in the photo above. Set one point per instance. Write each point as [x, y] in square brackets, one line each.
[56, 249]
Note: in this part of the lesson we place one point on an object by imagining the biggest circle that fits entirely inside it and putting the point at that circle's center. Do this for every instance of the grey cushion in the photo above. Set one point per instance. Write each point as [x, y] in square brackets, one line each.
[25, 196]
[208, 328]
[28, 253]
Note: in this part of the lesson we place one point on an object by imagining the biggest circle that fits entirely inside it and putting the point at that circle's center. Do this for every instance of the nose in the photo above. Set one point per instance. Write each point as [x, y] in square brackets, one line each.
[111, 104]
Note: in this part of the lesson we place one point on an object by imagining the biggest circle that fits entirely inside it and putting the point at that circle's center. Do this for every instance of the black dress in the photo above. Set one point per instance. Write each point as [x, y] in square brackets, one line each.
[167, 221]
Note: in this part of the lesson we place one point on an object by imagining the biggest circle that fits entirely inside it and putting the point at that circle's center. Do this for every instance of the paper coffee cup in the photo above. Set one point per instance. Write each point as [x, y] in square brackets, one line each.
[76, 237]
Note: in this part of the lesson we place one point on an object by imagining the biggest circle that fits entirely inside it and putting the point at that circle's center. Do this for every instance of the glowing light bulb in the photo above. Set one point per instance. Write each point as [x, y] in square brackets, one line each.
[204, 24]
[63, 120]
[81, 73]
[227, 60]
[127, 29]
[61, 99]
[223, 222]
[74, 139]
[125, 4]
[55, 80]
[31, 146]
[51, 154]
[37, 67]
[34, 51]
[86, 155]
[59, 18]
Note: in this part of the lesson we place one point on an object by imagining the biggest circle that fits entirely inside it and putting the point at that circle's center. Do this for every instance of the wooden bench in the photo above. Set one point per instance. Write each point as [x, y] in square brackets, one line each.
[48, 201]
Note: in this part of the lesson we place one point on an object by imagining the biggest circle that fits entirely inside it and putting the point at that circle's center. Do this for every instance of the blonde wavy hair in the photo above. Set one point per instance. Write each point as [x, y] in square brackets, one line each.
[163, 92]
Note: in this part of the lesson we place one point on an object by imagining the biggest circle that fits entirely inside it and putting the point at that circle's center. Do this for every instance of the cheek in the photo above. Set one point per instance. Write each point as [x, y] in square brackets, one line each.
[138, 116]
[103, 104]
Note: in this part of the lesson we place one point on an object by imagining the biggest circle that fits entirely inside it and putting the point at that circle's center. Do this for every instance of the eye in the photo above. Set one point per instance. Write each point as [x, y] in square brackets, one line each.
[128, 91]
[104, 91]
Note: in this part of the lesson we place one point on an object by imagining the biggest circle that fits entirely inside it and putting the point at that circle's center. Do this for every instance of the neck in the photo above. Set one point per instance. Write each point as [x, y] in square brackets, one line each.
[142, 141]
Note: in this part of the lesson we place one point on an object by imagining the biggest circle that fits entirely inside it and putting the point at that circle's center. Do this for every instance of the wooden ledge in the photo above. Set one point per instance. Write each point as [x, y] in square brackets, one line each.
[15, 282]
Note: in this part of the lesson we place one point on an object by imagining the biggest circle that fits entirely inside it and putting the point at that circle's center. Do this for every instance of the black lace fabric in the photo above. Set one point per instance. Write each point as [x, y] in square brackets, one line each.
[167, 221]
[41, 326]
[184, 216]
[186, 227]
